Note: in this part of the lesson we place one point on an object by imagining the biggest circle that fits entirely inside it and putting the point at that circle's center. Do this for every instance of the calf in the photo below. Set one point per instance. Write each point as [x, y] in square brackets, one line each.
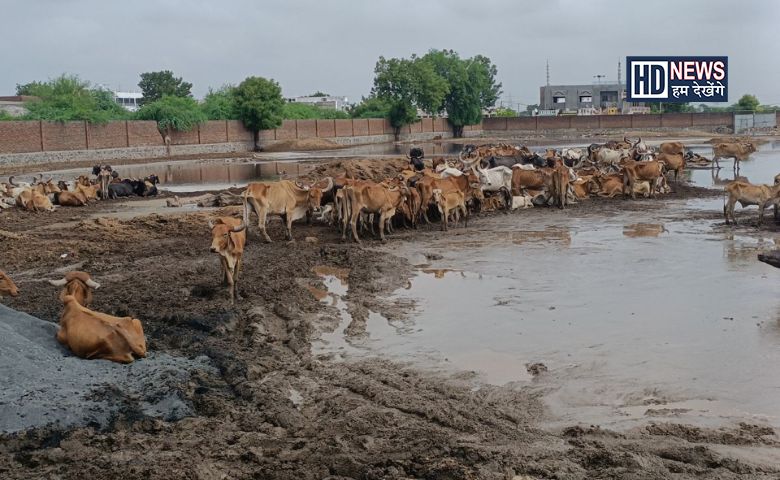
[748, 194]
[78, 285]
[451, 202]
[7, 286]
[228, 237]
[34, 201]
[89, 334]
[673, 161]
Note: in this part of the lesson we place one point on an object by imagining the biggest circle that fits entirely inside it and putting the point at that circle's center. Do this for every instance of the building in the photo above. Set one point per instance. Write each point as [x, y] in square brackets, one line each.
[589, 99]
[338, 103]
[129, 100]
[14, 105]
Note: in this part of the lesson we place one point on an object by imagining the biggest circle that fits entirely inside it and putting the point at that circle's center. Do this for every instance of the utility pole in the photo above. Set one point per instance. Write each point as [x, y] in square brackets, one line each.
[598, 78]
[548, 72]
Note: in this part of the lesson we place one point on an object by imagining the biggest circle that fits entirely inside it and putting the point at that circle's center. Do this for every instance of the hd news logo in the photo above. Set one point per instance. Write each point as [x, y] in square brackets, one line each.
[677, 79]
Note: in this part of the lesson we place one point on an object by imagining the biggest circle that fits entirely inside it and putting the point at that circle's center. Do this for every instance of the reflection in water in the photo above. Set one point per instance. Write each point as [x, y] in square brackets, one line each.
[636, 230]
[341, 273]
[440, 272]
[556, 235]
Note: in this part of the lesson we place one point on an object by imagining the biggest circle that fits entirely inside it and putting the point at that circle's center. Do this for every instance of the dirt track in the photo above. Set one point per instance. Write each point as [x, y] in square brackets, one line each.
[273, 410]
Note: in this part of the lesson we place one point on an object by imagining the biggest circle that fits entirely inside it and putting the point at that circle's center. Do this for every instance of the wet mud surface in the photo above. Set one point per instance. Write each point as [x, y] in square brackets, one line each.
[279, 395]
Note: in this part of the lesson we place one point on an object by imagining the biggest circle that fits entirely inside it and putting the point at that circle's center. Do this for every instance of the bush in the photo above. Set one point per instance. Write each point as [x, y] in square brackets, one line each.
[303, 111]
[173, 113]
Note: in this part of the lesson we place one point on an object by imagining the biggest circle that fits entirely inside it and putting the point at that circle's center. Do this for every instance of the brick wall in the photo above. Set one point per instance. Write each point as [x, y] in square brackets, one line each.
[213, 132]
[64, 136]
[20, 137]
[141, 133]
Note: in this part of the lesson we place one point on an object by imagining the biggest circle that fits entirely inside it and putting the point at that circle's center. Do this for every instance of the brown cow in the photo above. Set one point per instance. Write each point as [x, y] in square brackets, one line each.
[290, 200]
[7, 286]
[672, 148]
[451, 202]
[466, 183]
[377, 199]
[228, 237]
[749, 194]
[634, 171]
[78, 285]
[535, 179]
[560, 185]
[673, 161]
[89, 334]
[34, 201]
[71, 199]
[737, 151]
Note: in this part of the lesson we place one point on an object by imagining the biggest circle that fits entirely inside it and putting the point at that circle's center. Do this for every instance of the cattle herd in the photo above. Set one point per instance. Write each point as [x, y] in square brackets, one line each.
[43, 195]
[482, 178]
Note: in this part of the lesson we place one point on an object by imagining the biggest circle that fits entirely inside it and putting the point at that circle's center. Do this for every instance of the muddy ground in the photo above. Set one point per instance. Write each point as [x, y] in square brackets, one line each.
[272, 409]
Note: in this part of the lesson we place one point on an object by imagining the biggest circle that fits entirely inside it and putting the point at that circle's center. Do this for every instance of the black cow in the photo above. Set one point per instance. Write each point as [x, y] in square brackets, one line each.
[415, 157]
[125, 188]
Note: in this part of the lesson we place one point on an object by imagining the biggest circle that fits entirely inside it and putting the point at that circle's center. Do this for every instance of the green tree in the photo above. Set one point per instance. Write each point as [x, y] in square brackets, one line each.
[303, 111]
[505, 112]
[472, 86]
[172, 113]
[748, 103]
[260, 105]
[319, 93]
[371, 107]
[155, 85]
[220, 104]
[6, 116]
[67, 98]
[529, 109]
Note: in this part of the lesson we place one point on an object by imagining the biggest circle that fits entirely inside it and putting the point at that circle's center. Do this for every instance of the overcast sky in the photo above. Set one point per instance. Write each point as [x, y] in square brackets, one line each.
[310, 45]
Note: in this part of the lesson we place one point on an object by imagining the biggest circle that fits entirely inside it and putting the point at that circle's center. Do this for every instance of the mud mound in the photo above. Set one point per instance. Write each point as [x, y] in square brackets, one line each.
[45, 384]
[365, 169]
[300, 145]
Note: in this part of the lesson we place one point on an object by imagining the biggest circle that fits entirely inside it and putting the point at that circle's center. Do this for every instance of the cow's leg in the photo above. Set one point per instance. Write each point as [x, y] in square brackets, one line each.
[231, 286]
[353, 224]
[262, 217]
[382, 220]
[465, 216]
[728, 210]
[288, 222]
[224, 267]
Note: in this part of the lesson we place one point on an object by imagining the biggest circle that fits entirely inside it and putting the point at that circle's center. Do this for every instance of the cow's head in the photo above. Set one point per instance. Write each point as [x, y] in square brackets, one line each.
[749, 147]
[78, 284]
[315, 192]
[221, 241]
[7, 286]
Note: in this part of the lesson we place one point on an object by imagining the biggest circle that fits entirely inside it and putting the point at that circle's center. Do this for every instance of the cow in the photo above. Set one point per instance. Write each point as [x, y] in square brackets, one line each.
[78, 285]
[737, 151]
[415, 157]
[94, 335]
[560, 185]
[288, 199]
[673, 162]
[125, 188]
[634, 171]
[522, 179]
[150, 186]
[498, 180]
[611, 158]
[71, 199]
[34, 201]
[90, 191]
[468, 184]
[672, 148]
[7, 286]
[748, 194]
[228, 237]
[104, 175]
[377, 199]
[451, 202]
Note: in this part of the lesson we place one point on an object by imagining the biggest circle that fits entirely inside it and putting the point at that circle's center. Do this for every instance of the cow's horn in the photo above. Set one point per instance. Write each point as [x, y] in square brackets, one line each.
[239, 228]
[330, 185]
[11, 181]
[58, 283]
[92, 284]
[211, 224]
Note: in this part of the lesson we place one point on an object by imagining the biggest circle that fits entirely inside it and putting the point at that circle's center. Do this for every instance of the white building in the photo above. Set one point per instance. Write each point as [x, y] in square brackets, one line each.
[129, 100]
[339, 103]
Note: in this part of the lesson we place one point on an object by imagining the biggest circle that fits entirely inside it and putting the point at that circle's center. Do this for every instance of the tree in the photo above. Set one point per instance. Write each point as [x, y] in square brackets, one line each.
[472, 86]
[405, 85]
[68, 98]
[371, 107]
[303, 111]
[172, 113]
[220, 104]
[259, 105]
[155, 85]
[529, 109]
[748, 103]
[505, 112]
[318, 93]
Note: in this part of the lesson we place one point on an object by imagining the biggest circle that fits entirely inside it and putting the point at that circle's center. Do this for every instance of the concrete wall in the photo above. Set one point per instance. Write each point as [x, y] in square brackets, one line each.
[666, 120]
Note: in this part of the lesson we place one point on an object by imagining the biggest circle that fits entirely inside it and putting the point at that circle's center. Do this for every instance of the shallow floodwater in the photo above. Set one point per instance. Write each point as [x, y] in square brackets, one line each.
[637, 315]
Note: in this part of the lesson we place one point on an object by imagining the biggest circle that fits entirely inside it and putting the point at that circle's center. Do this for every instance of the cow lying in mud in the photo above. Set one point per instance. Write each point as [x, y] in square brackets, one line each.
[94, 335]
[7, 286]
[77, 284]
[228, 237]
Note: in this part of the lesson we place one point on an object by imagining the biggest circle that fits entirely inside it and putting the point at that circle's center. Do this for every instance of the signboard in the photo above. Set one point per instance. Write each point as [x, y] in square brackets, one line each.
[677, 79]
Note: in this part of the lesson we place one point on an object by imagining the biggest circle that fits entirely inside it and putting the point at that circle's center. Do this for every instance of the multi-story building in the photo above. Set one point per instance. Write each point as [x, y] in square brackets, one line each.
[339, 103]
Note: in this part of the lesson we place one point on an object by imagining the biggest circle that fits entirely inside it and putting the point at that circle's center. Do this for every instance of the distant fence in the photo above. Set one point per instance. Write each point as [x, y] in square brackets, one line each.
[39, 136]
[662, 120]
